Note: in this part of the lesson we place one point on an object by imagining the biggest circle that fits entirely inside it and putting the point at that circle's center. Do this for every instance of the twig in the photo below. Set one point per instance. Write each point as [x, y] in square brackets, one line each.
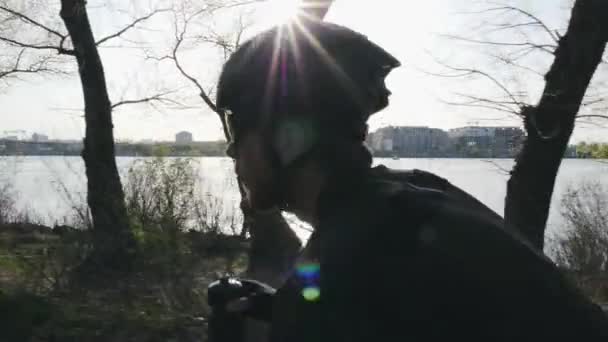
[467, 71]
[33, 22]
[37, 67]
[476, 105]
[130, 26]
[537, 20]
[59, 48]
[155, 98]
[548, 48]
[593, 116]
[500, 169]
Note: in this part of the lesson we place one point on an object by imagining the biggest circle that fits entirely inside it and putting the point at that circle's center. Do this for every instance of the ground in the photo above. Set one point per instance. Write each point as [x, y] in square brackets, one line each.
[44, 296]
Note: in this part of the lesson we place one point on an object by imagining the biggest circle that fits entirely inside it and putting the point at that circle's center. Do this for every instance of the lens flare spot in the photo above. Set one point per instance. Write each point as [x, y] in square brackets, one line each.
[308, 270]
[311, 294]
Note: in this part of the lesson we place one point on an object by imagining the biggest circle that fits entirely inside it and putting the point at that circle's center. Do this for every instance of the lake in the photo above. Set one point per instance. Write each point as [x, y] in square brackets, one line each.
[41, 182]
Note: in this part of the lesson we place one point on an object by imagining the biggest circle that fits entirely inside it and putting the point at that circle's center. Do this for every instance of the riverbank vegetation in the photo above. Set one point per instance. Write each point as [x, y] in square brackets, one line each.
[592, 150]
[582, 248]
[48, 291]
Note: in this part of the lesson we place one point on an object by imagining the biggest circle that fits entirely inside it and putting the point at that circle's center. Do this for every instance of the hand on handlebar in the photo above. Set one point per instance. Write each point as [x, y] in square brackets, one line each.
[245, 296]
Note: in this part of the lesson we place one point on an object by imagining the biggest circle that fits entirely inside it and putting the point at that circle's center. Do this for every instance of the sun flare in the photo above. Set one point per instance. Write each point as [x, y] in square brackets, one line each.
[280, 11]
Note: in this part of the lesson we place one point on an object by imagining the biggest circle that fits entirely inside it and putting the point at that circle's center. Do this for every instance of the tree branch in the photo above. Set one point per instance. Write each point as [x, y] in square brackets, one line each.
[548, 48]
[40, 66]
[537, 20]
[33, 22]
[502, 170]
[34, 46]
[593, 116]
[484, 106]
[514, 64]
[463, 72]
[193, 80]
[161, 98]
[130, 26]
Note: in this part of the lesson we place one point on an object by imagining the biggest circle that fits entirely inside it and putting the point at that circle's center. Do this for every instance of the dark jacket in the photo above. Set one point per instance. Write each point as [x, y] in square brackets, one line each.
[406, 256]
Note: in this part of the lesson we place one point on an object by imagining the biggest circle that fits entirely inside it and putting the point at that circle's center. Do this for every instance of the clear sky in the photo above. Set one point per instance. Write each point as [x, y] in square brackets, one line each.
[408, 29]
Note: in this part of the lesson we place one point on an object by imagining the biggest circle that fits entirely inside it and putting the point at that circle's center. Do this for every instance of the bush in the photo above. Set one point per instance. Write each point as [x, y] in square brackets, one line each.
[160, 193]
[164, 194]
[583, 249]
[7, 203]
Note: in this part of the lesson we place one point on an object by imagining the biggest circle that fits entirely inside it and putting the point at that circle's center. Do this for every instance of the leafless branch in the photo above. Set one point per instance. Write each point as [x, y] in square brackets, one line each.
[480, 105]
[39, 66]
[502, 170]
[501, 7]
[214, 38]
[512, 62]
[496, 102]
[593, 116]
[192, 79]
[130, 26]
[157, 98]
[463, 72]
[33, 22]
[58, 48]
[548, 48]
[182, 21]
[509, 26]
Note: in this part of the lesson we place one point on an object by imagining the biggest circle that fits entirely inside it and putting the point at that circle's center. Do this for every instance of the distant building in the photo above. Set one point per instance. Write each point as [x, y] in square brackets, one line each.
[487, 141]
[471, 131]
[183, 137]
[471, 141]
[409, 141]
[39, 137]
[11, 138]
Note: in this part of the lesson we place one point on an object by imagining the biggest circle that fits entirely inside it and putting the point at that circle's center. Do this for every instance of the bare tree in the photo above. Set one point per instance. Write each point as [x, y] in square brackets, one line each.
[113, 239]
[515, 47]
[549, 124]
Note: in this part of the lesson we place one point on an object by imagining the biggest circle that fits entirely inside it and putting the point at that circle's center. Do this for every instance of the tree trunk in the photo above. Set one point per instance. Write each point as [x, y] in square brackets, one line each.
[113, 241]
[550, 124]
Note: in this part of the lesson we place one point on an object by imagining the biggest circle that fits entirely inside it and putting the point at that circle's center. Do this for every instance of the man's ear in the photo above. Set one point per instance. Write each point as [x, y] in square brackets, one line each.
[293, 137]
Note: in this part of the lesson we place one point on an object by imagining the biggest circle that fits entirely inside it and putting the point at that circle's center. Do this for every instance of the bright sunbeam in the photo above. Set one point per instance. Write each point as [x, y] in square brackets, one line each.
[280, 11]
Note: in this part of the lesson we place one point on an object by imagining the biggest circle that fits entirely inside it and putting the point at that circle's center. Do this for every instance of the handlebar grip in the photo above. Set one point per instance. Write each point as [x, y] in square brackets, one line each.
[225, 326]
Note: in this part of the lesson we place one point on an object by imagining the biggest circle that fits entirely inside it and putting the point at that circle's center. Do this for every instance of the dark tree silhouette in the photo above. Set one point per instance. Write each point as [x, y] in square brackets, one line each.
[566, 97]
[113, 240]
[550, 123]
[112, 236]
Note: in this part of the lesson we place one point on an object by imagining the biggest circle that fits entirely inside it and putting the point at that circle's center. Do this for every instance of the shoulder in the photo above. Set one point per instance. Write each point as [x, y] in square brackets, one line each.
[413, 176]
[427, 213]
[431, 189]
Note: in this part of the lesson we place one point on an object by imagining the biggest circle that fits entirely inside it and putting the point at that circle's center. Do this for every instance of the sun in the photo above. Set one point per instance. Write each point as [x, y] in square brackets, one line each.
[280, 11]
